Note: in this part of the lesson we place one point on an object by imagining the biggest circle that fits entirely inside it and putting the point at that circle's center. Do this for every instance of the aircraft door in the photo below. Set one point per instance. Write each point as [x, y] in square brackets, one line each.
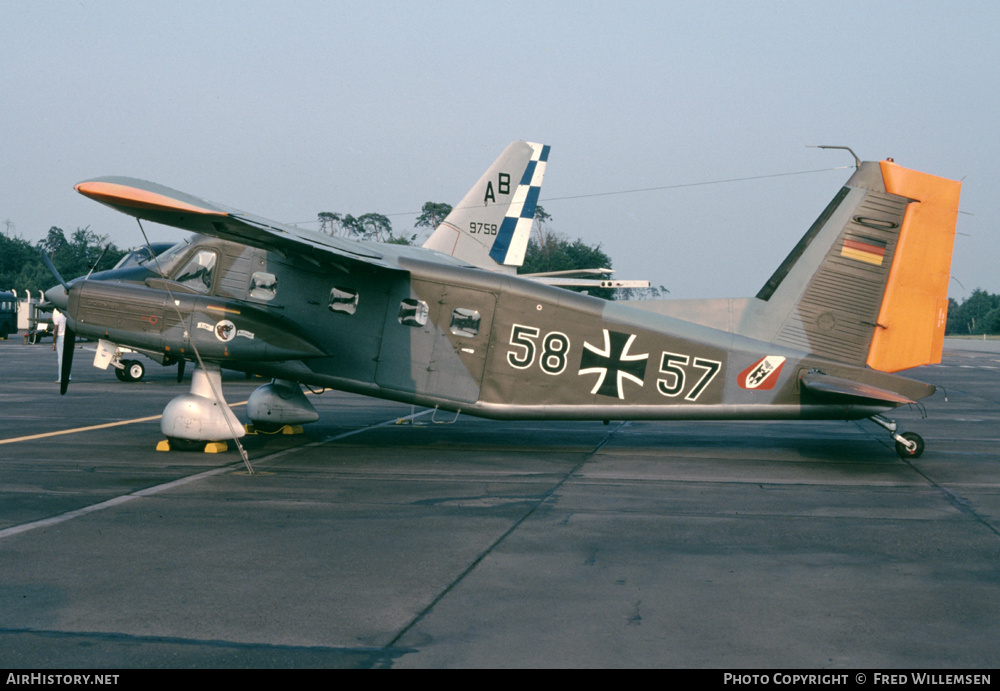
[437, 341]
[466, 321]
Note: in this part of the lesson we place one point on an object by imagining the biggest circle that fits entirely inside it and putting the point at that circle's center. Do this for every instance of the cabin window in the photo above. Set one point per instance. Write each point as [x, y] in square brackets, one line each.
[197, 272]
[263, 286]
[465, 322]
[343, 300]
[413, 312]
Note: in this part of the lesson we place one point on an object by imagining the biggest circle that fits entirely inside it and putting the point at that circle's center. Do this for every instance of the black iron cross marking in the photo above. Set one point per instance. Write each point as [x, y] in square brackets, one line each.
[613, 364]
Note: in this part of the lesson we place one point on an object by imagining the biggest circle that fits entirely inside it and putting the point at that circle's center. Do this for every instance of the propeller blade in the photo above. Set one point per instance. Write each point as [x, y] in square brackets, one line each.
[180, 370]
[69, 344]
[54, 271]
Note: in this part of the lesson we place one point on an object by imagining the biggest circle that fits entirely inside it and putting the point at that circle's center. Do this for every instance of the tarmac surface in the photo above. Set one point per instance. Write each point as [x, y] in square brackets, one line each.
[364, 543]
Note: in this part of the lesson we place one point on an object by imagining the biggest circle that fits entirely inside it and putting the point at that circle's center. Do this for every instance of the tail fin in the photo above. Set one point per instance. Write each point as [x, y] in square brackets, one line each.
[490, 227]
[868, 283]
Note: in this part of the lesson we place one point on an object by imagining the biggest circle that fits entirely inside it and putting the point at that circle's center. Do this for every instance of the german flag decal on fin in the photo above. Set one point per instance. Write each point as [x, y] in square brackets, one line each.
[867, 250]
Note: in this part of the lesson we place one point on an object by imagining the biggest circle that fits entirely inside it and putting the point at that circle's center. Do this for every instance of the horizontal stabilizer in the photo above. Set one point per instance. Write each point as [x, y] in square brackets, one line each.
[569, 282]
[570, 273]
[826, 385]
[584, 278]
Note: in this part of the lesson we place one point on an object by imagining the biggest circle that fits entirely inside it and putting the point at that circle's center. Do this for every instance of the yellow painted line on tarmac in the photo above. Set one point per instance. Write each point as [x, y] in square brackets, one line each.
[106, 425]
[150, 491]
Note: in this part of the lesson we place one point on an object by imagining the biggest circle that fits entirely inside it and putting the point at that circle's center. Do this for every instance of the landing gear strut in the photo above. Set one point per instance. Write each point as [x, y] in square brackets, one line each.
[908, 444]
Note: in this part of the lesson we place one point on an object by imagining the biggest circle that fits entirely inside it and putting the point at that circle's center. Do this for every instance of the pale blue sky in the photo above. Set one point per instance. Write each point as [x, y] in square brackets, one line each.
[289, 108]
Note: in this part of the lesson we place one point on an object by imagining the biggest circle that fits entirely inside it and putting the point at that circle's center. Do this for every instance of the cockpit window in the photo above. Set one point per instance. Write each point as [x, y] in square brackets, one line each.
[165, 262]
[142, 254]
[197, 272]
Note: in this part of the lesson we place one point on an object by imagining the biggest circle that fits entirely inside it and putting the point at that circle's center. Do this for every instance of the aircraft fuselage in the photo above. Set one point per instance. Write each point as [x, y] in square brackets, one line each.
[436, 333]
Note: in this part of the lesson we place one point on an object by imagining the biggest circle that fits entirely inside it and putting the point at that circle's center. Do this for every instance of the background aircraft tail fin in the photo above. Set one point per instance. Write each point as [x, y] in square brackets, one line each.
[491, 226]
[868, 283]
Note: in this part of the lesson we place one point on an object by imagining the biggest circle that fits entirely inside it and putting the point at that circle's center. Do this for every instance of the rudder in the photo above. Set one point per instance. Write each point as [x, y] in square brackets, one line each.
[914, 310]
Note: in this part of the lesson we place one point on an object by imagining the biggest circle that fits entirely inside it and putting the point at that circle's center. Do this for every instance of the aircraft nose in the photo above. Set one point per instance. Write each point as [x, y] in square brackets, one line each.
[58, 296]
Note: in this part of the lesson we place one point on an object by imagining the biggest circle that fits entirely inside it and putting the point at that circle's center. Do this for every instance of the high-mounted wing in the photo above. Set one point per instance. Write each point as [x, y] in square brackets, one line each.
[489, 228]
[160, 204]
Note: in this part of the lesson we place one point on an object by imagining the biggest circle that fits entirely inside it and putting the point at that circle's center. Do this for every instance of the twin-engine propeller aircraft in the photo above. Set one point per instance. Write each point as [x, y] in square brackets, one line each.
[450, 325]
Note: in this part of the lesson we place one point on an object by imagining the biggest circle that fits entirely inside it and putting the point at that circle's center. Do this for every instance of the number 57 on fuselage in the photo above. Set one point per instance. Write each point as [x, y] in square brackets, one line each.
[450, 324]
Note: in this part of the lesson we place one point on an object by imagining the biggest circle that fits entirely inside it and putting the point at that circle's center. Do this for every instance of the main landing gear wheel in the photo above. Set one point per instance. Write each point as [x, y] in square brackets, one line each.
[133, 371]
[915, 447]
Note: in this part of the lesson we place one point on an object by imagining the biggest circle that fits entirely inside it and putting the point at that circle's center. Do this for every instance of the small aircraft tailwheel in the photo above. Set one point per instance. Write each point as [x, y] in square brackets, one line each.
[914, 439]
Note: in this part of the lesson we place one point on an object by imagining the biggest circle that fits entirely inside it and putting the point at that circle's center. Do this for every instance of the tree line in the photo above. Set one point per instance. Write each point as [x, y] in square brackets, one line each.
[21, 266]
[378, 227]
[977, 315]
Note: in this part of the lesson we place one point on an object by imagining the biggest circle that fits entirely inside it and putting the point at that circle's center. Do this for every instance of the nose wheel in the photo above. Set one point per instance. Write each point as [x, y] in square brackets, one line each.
[908, 444]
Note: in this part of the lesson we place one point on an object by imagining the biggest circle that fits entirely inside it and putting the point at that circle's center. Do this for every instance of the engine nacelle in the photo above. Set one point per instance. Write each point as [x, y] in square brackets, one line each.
[147, 318]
